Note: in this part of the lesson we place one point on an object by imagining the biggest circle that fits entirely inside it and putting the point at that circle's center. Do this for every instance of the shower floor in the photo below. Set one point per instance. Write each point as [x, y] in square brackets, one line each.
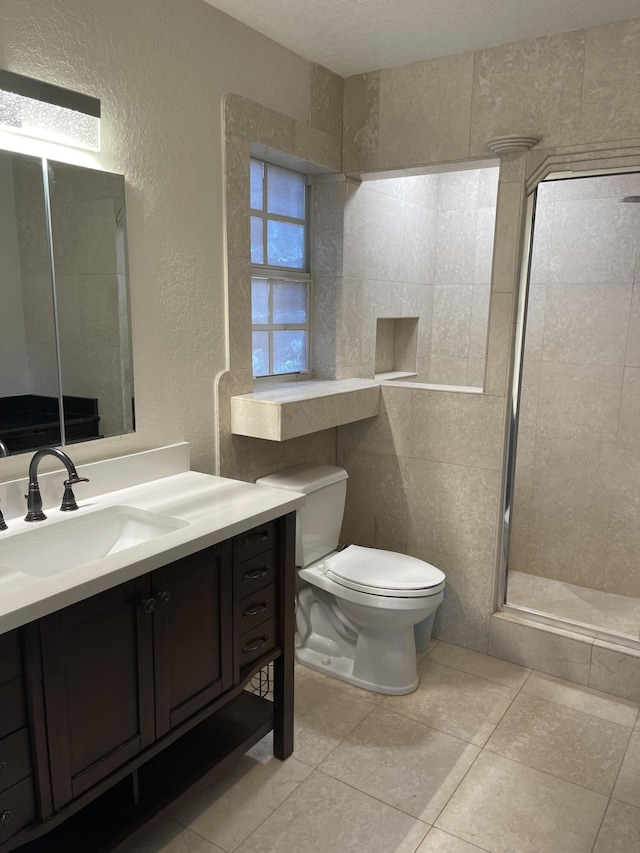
[618, 614]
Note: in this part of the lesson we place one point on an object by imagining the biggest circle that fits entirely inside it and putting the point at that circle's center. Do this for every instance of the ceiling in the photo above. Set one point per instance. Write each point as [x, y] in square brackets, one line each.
[353, 36]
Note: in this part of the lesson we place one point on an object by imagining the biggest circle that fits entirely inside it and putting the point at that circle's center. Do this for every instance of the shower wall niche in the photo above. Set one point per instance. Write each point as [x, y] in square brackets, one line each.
[576, 509]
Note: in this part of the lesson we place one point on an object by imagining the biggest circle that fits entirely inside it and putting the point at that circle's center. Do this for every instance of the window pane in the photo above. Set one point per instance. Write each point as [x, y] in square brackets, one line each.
[256, 184]
[260, 353]
[289, 302]
[257, 241]
[289, 351]
[285, 192]
[285, 245]
[259, 301]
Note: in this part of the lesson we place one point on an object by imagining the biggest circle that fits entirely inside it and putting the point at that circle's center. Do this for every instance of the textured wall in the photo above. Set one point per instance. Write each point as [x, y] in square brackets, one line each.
[306, 147]
[569, 88]
[161, 69]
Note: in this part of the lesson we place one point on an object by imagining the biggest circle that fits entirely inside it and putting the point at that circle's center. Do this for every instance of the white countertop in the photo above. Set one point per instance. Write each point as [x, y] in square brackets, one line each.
[215, 508]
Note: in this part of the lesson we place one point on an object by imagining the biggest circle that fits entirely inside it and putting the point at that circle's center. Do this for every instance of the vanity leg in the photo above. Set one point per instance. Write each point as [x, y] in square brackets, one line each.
[283, 669]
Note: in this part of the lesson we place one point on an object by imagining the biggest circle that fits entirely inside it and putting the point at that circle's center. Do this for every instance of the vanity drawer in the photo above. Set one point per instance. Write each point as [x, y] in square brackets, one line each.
[10, 657]
[256, 643]
[256, 541]
[15, 758]
[17, 808]
[255, 573]
[13, 712]
[256, 608]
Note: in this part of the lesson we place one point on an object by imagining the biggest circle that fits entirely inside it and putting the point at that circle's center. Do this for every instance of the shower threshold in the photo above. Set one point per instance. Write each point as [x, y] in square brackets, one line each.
[603, 611]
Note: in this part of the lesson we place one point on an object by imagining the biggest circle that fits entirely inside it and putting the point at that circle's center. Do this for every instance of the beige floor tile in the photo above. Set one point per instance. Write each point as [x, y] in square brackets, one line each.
[493, 669]
[171, 837]
[506, 807]
[325, 815]
[602, 705]
[340, 686]
[454, 702]
[323, 718]
[228, 812]
[402, 762]
[620, 831]
[438, 841]
[627, 787]
[574, 746]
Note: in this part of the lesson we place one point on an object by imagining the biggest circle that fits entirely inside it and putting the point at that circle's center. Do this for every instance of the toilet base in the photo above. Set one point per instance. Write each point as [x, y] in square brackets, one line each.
[341, 667]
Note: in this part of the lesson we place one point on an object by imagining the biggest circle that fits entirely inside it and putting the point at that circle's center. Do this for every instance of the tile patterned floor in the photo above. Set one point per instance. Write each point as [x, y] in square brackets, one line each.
[484, 756]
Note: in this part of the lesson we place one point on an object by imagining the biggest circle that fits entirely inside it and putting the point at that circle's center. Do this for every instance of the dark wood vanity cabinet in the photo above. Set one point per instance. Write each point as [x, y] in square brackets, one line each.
[136, 695]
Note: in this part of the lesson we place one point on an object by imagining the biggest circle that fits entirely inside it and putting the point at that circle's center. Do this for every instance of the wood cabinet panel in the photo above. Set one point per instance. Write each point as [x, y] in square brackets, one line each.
[15, 758]
[98, 677]
[10, 657]
[192, 635]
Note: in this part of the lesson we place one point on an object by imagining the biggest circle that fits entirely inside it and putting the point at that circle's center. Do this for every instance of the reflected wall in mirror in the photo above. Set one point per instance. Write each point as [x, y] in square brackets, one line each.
[64, 326]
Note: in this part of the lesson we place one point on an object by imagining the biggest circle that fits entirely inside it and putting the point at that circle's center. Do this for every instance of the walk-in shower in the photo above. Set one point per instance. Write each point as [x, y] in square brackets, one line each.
[572, 515]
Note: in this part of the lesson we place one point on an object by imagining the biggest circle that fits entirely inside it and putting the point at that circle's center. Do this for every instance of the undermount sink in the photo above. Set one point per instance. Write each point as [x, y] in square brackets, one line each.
[74, 542]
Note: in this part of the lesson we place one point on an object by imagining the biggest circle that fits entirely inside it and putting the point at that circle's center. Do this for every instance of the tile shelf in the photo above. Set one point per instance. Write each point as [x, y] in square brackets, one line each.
[291, 409]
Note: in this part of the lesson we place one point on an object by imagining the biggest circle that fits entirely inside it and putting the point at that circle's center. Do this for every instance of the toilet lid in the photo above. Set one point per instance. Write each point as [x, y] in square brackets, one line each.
[383, 572]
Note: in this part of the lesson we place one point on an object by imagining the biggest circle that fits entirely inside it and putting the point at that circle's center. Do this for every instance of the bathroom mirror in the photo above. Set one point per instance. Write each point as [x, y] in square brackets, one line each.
[65, 340]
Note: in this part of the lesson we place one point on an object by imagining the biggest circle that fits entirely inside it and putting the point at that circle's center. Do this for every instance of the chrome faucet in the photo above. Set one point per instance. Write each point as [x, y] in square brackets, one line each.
[34, 500]
[4, 450]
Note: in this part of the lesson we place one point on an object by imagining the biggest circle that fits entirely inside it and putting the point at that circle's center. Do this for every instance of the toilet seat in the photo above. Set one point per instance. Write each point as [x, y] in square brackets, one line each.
[383, 573]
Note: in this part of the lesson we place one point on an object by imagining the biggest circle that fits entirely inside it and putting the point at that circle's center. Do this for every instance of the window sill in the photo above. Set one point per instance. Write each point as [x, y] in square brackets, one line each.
[292, 409]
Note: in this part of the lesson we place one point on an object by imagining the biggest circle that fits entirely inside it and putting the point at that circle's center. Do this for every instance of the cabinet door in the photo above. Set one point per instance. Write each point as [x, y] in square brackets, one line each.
[192, 634]
[97, 659]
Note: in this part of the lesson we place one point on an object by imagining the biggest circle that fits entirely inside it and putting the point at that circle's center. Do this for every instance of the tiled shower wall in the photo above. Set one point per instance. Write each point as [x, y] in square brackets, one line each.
[577, 496]
[464, 250]
[415, 246]
[579, 92]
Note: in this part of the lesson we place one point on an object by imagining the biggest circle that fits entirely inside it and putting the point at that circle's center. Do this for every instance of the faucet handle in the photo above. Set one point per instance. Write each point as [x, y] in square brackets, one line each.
[69, 499]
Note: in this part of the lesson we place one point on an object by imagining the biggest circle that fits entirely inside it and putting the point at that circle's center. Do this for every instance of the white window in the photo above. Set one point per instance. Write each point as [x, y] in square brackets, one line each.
[280, 277]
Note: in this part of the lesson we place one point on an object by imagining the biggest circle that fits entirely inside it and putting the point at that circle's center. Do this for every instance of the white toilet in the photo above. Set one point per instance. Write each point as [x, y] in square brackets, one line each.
[356, 607]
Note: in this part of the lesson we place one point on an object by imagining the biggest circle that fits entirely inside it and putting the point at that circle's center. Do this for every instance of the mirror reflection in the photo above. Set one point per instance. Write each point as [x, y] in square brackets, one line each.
[65, 340]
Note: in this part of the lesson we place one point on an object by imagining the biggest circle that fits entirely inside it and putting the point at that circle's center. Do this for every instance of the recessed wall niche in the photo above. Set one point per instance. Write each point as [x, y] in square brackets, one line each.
[396, 345]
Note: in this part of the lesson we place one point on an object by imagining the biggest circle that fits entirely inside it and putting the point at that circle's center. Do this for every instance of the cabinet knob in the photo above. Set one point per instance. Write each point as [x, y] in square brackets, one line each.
[164, 597]
[5, 817]
[149, 604]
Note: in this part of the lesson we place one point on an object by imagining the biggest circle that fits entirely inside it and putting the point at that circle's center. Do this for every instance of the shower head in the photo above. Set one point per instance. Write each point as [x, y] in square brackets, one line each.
[631, 199]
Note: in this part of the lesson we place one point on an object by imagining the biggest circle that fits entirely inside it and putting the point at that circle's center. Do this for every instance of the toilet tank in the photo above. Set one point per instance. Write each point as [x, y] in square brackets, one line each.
[318, 522]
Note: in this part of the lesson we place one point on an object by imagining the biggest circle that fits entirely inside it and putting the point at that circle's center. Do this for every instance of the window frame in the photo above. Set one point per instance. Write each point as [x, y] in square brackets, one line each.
[273, 274]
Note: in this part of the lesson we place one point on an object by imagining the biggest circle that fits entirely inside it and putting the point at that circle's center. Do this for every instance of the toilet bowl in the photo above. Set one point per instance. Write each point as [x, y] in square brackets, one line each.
[356, 607]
